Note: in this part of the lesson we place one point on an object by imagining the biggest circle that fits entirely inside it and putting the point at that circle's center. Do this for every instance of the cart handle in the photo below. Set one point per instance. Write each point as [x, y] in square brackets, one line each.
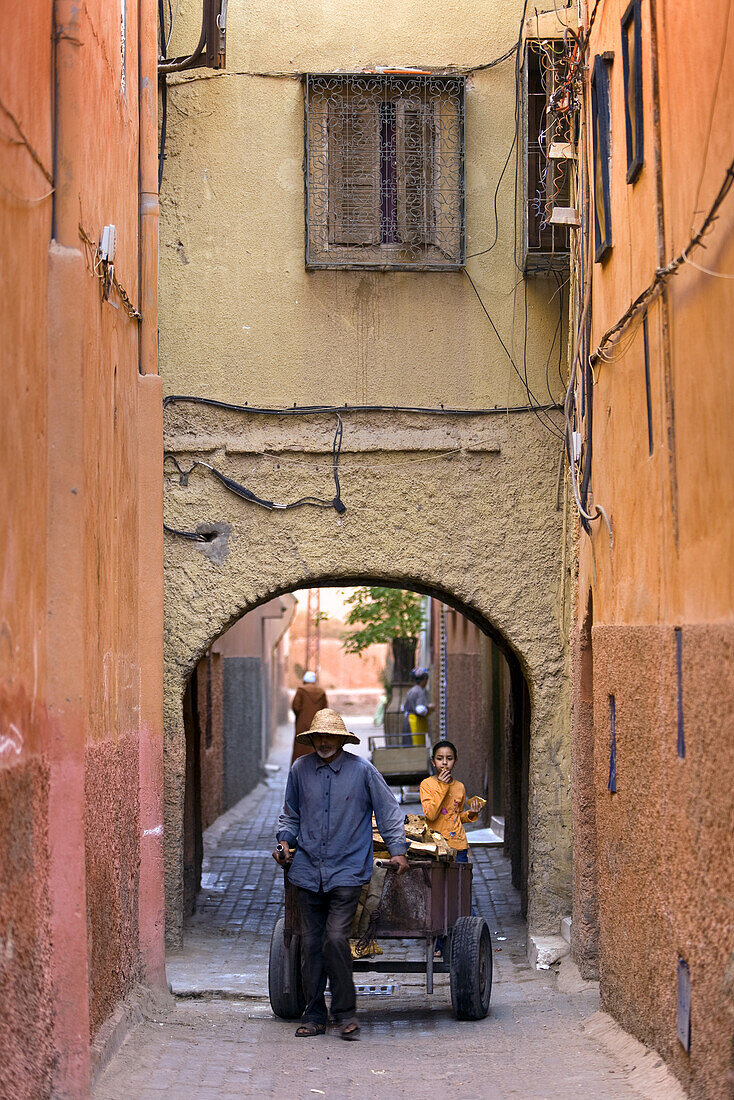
[385, 863]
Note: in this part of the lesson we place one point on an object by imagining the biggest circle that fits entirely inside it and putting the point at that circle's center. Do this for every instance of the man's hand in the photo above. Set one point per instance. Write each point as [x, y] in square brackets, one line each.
[400, 863]
[282, 857]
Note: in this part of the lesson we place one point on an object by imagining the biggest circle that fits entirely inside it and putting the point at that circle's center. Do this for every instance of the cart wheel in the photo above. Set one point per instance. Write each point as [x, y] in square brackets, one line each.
[471, 968]
[285, 984]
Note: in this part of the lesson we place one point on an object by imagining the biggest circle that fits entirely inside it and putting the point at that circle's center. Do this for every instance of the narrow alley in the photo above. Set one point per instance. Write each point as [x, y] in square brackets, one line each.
[544, 1036]
[367, 365]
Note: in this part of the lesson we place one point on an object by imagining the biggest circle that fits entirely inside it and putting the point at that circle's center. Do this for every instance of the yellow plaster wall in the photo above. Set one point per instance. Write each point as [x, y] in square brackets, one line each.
[242, 321]
[241, 318]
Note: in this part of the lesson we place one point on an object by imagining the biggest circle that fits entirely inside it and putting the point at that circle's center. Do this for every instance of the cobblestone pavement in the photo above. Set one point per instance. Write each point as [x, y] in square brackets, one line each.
[219, 1038]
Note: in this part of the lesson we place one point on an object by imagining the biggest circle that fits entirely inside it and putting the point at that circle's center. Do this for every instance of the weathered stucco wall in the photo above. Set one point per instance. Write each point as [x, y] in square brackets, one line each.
[243, 321]
[81, 592]
[393, 529]
[662, 845]
[26, 1038]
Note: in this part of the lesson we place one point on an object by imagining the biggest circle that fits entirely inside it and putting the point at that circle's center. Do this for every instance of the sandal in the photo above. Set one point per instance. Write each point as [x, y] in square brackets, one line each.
[350, 1031]
[309, 1030]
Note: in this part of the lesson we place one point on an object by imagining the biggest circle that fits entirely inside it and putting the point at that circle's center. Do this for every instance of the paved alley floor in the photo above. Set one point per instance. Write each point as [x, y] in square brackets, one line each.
[544, 1036]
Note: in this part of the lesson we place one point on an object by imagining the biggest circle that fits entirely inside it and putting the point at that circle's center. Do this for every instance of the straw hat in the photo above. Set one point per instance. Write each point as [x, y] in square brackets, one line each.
[327, 721]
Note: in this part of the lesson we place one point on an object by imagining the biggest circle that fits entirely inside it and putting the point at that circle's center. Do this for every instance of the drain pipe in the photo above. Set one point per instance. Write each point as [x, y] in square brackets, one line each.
[151, 900]
[148, 183]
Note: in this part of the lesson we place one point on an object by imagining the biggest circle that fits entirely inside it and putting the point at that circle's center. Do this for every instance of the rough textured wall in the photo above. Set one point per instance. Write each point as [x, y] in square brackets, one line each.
[74, 682]
[666, 841]
[210, 694]
[665, 862]
[585, 923]
[242, 721]
[26, 995]
[243, 321]
[505, 480]
[111, 796]
[26, 1048]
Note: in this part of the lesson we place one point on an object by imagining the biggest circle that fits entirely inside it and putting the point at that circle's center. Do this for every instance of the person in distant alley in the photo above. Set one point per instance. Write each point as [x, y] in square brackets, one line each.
[309, 698]
[416, 709]
[325, 829]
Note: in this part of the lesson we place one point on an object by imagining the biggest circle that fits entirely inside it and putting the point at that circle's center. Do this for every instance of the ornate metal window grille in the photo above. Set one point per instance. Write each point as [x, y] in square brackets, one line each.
[385, 172]
[549, 119]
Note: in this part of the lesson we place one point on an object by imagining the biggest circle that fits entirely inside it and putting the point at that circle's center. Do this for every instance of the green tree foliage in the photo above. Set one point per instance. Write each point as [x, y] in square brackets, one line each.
[382, 614]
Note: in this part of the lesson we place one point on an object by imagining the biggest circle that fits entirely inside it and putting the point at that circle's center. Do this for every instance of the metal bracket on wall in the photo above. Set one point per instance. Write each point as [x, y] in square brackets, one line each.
[211, 50]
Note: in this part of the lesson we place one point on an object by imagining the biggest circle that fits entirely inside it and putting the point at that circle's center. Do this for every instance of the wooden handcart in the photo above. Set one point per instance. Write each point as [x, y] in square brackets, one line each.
[431, 899]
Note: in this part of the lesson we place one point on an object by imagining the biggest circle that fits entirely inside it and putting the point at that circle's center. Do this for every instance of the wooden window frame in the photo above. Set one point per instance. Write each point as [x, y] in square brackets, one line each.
[634, 126]
[602, 151]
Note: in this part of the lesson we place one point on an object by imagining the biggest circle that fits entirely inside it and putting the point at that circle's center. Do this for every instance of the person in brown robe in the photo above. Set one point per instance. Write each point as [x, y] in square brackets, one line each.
[309, 698]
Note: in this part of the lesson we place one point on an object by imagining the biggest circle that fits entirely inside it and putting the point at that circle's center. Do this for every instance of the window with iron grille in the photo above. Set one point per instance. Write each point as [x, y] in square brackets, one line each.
[385, 171]
[549, 123]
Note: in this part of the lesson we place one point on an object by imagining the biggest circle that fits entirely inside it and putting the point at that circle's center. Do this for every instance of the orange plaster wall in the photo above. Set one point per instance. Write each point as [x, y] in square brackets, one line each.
[647, 578]
[662, 845]
[77, 683]
[26, 1037]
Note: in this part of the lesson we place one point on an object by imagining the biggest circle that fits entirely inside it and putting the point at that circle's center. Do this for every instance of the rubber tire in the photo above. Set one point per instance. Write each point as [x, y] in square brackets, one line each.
[285, 983]
[471, 968]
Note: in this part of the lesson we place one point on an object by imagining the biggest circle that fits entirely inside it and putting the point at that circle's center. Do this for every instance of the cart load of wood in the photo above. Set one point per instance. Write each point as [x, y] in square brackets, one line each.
[423, 843]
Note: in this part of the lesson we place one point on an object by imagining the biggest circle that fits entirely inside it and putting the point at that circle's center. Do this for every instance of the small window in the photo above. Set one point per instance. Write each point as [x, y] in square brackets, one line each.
[385, 172]
[600, 122]
[549, 125]
[632, 66]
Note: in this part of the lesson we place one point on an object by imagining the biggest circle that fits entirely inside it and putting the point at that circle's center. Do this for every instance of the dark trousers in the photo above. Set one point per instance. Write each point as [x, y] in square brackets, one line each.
[326, 919]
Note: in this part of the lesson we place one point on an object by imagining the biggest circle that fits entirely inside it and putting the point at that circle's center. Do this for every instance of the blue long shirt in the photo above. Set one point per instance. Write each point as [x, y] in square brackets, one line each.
[327, 816]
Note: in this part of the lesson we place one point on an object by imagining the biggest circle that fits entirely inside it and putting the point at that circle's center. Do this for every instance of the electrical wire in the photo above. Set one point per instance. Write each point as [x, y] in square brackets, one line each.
[298, 74]
[516, 51]
[664, 273]
[194, 536]
[247, 494]
[708, 270]
[320, 410]
[31, 151]
[24, 198]
[164, 98]
[724, 41]
[534, 405]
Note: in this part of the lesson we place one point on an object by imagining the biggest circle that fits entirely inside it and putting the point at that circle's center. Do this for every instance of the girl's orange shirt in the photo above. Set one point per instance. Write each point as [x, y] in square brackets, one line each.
[443, 805]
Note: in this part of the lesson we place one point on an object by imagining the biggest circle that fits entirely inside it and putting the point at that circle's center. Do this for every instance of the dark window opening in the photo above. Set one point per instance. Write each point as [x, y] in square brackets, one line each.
[681, 741]
[648, 394]
[612, 781]
[550, 130]
[632, 67]
[601, 126]
[388, 176]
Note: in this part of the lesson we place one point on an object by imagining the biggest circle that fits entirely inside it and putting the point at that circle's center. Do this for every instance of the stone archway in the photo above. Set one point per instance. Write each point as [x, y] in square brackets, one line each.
[451, 542]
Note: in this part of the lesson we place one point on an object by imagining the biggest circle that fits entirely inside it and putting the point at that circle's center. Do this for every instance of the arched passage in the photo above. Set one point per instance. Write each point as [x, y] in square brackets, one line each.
[236, 700]
[212, 585]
